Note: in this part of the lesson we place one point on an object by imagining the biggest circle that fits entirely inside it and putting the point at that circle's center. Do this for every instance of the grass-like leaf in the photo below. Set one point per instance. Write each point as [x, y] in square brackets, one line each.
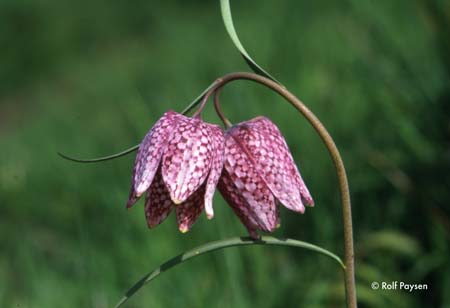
[186, 110]
[212, 246]
[100, 159]
[229, 25]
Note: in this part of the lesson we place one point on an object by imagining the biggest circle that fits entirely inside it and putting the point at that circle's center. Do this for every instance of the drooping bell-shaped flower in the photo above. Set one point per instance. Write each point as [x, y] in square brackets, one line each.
[178, 164]
[259, 173]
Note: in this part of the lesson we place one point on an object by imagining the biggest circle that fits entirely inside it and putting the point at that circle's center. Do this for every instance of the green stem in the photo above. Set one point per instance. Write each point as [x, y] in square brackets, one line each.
[213, 246]
[349, 272]
[99, 159]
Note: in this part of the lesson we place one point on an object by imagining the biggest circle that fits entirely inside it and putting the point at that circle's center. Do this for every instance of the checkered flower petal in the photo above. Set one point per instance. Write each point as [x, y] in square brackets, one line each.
[238, 203]
[187, 158]
[216, 167]
[275, 162]
[259, 172]
[244, 182]
[178, 164]
[190, 210]
[149, 155]
[158, 204]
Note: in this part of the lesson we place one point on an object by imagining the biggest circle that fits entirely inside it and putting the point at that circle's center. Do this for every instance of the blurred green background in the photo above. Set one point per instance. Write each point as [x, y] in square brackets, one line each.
[89, 78]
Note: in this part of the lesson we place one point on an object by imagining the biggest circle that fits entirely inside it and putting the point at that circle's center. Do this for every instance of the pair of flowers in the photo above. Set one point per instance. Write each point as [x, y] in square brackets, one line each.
[181, 161]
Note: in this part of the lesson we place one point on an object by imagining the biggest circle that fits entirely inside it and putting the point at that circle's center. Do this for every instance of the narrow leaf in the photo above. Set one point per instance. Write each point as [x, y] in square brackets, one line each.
[99, 159]
[212, 246]
[228, 21]
[186, 110]
[196, 101]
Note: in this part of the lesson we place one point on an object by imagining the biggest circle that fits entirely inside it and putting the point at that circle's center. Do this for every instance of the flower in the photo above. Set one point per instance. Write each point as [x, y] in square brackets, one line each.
[259, 172]
[178, 164]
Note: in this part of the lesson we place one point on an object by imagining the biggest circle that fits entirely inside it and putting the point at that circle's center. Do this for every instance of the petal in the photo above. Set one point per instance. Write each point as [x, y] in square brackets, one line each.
[149, 155]
[272, 158]
[250, 194]
[190, 210]
[157, 202]
[275, 135]
[187, 158]
[218, 146]
[132, 198]
[237, 203]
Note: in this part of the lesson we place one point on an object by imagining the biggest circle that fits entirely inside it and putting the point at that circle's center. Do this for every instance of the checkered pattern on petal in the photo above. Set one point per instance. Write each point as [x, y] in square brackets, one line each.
[158, 204]
[190, 210]
[250, 194]
[216, 167]
[237, 203]
[274, 160]
[179, 163]
[149, 155]
[187, 158]
[272, 130]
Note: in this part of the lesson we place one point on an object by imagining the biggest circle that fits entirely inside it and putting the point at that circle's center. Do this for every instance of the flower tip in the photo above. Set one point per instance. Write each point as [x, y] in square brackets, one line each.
[209, 212]
[183, 229]
[141, 189]
[176, 198]
[308, 201]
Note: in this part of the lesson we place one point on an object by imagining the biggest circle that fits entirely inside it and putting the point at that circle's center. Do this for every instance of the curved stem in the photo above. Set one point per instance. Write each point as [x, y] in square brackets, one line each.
[99, 159]
[225, 121]
[196, 101]
[231, 242]
[350, 288]
[205, 98]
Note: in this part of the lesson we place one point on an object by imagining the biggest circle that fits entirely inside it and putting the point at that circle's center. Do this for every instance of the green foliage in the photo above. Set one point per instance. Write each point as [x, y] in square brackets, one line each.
[90, 78]
[229, 25]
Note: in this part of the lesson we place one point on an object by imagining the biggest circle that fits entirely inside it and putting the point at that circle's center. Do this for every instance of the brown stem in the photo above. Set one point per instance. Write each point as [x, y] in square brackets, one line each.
[349, 271]
[205, 98]
[225, 121]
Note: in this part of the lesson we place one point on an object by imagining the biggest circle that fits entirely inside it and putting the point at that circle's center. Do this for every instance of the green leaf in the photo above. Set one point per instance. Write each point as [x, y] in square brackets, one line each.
[196, 101]
[186, 110]
[209, 247]
[228, 21]
[100, 159]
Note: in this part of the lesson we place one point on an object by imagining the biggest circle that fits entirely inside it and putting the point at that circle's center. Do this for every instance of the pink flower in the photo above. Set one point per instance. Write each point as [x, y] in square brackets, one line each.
[259, 172]
[178, 164]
